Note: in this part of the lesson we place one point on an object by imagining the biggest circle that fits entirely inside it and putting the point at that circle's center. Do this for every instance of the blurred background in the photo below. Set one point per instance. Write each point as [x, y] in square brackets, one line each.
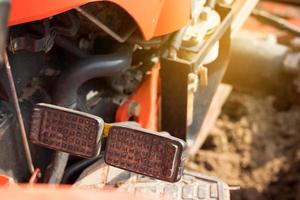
[255, 141]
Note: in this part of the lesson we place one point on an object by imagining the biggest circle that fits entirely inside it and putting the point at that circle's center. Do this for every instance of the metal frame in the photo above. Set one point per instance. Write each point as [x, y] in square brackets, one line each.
[174, 74]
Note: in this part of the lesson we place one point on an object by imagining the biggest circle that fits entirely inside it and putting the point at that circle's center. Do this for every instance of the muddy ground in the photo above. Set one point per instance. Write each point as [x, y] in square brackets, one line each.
[255, 146]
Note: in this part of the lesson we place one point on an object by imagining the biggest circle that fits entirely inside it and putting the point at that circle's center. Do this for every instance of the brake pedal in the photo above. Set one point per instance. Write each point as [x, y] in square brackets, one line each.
[141, 151]
[66, 130]
[128, 147]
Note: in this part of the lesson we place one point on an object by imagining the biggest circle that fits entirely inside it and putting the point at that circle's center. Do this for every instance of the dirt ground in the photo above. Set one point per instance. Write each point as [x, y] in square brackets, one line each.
[256, 147]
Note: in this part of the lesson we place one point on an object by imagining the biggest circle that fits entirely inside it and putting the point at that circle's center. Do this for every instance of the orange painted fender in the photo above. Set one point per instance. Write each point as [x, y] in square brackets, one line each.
[154, 17]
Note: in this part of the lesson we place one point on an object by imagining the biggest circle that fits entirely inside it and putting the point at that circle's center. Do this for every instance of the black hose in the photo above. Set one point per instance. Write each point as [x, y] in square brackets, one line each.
[66, 94]
[74, 25]
[87, 69]
[4, 11]
[62, 41]
[69, 46]
[75, 169]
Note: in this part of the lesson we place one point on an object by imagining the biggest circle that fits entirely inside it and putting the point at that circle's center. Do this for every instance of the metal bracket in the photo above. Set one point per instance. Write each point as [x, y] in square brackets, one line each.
[32, 44]
[174, 75]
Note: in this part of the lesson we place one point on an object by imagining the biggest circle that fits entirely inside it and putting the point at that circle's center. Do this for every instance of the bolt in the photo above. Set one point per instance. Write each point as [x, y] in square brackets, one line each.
[1, 117]
[204, 15]
[172, 53]
[134, 109]
[195, 38]
[15, 45]
[187, 37]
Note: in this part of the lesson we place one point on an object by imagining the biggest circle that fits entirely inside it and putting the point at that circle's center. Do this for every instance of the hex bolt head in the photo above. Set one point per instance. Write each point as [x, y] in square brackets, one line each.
[134, 109]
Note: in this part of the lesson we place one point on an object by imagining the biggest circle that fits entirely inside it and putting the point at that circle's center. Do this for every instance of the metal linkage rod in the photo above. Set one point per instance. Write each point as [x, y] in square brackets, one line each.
[4, 12]
[105, 28]
[276, 21]
[18, 113]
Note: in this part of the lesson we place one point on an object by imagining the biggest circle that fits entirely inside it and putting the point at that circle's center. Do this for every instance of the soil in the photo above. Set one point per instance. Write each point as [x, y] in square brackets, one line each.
[256, 147]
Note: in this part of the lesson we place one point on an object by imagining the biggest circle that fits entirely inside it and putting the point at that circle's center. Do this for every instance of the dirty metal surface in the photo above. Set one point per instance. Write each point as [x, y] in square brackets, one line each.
[66, 130]
[193, 185]
[145, 152]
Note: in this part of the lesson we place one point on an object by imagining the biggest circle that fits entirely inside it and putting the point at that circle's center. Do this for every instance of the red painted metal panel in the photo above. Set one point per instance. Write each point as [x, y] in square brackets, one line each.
[155, 17]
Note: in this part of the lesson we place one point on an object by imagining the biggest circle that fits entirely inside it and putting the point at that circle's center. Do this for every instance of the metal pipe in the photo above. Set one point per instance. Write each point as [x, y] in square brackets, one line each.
[204, 94]
[276, 21]
[54, 172]
[242, 10]
[18, 113]
[69, 46]
[106, 28]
